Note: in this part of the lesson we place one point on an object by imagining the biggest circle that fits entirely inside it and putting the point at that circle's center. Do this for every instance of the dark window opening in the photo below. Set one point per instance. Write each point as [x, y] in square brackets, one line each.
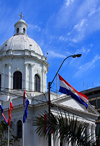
[93, 102]
[17, 80]
[17, 30]
[19, 129]
[37, 83]
[23, 30]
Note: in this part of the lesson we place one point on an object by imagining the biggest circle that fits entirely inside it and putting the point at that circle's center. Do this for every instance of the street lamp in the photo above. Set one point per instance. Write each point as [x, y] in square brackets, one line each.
[49, 86]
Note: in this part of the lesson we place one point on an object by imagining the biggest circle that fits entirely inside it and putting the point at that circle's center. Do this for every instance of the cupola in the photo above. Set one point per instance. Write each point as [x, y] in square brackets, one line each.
[20, 26]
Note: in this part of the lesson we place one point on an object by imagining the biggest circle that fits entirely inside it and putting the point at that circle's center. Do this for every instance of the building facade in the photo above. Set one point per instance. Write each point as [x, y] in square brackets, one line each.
[94, 99]
[24, 67]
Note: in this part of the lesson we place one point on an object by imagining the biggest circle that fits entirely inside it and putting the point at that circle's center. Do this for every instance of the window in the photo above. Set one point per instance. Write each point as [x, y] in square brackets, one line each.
[17, 30]
[23, 30]
[98, 102]
[37, 83]
[17, 80]
[19, 129]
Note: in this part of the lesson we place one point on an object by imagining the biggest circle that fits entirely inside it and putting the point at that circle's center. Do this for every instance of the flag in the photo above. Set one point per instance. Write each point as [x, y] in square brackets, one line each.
[66, 88]
[48, 123]
[45, 124]
[9, 111]
[25, 106]
[3, 114]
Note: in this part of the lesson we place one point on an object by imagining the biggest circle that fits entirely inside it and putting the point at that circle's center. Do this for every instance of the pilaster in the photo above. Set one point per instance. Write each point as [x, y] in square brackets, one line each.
[3, 77]
[93, 134]
[26, 79]
[89, 132]
[9, 76]
[32, 77]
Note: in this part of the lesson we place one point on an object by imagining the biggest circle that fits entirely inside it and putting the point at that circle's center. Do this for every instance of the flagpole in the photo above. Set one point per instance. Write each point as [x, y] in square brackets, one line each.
[23, 134]
[25, 112]
[8, 135]
[57, 106]
[8, 121]
[49, 87]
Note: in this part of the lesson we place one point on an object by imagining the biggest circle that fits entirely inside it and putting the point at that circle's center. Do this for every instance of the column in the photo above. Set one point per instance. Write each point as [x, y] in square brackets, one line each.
[93, 134]
[52, 140]
[6, 77]
[89, 132]
[26, 79]
[43, 81]
[69, 144]
[3, 77]
[32, 77]
[57, 141]
[9, 76]
[29, 77]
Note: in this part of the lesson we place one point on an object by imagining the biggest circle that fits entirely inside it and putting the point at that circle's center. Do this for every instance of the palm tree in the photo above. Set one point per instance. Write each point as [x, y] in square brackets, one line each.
[46, 124]
[3, 132]
[72, 131]
[3, 135]
[69, 128]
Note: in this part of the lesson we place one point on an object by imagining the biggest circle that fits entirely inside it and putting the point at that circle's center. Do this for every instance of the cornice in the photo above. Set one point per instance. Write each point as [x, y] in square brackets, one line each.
[77, 112]
[24, 56]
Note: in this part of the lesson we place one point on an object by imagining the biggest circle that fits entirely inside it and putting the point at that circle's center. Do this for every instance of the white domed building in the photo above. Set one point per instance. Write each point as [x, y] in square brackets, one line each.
[22, 62]
[24, 67]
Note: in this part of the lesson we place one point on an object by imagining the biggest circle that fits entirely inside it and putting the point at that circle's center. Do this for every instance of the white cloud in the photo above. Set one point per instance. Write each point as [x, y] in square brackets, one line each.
[74, 40]
[54, 54]
[62, 38]
[35, 27]
[80, 25]
[69, 2]
[92, 12]
[75, 18]
[83, 50]
[89, 65]
[91, 45]
[88, 20]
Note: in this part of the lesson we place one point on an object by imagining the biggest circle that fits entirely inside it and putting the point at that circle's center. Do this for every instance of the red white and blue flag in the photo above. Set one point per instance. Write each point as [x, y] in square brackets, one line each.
[3, 114]
[9, 110]
[66, 88]
[25, 106]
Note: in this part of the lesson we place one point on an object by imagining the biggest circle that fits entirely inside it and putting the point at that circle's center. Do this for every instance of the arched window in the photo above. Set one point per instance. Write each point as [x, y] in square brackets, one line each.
[23, 30]
[37, 83]
[19, 129]
[17, 80]
[17, 30]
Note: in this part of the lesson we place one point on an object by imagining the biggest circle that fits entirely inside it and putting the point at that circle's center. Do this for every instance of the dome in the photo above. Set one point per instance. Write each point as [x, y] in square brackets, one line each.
[20, 40]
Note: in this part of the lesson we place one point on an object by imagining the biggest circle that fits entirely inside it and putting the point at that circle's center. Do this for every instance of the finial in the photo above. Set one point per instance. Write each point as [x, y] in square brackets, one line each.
[21, 16]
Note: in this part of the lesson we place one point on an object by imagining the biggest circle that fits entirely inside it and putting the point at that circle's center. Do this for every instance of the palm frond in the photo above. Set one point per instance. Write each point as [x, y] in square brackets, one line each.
[50, 123]
[69, 129]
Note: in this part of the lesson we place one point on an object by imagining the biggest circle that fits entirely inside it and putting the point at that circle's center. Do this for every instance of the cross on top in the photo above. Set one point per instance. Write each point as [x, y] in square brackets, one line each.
[21, 16]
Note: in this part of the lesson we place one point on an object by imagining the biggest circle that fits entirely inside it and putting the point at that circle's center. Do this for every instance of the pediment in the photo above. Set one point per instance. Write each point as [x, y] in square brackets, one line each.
[71, 104]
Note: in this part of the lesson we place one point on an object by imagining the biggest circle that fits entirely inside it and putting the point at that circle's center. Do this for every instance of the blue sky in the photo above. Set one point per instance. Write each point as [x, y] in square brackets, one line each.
[61, 28]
